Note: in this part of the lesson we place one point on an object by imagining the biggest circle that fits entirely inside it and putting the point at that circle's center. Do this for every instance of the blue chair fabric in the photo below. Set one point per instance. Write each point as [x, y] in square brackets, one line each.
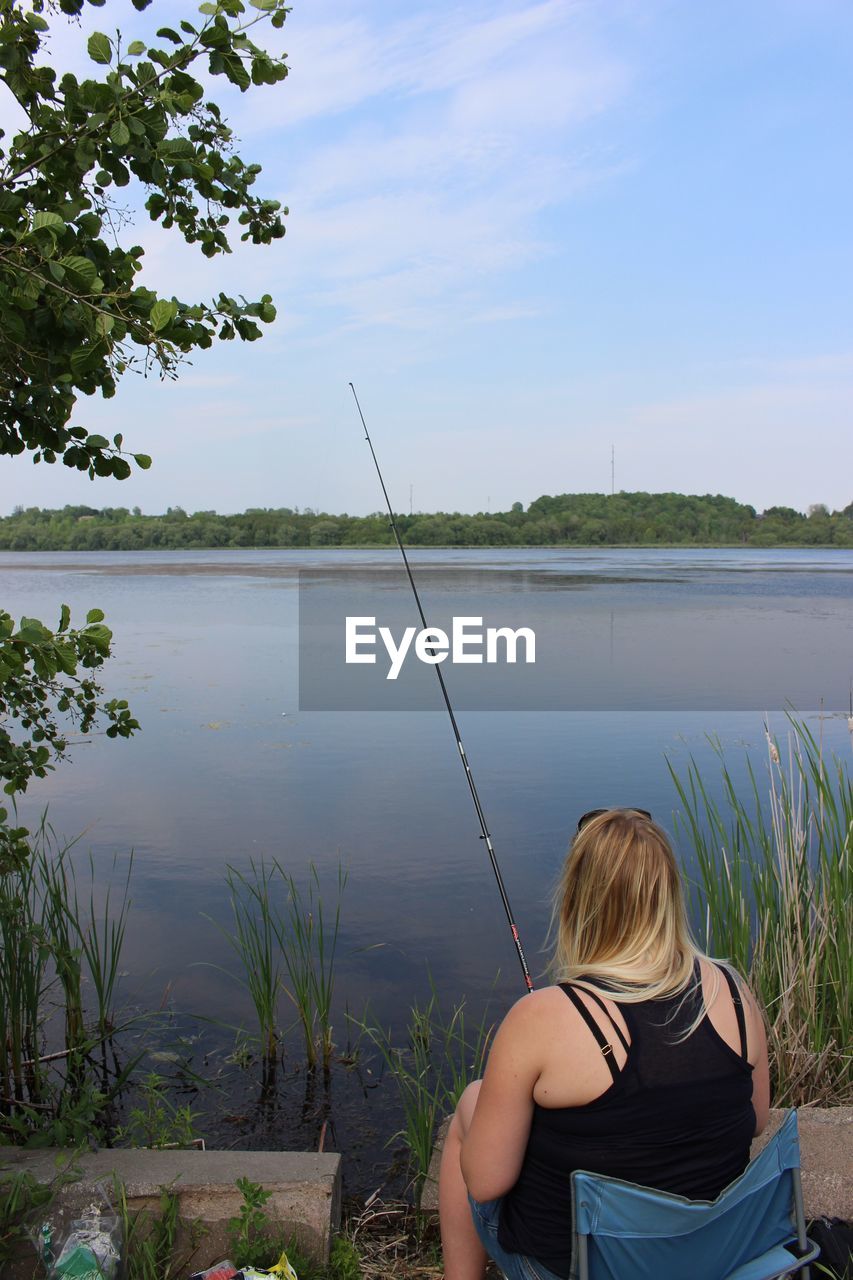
[626, 1232]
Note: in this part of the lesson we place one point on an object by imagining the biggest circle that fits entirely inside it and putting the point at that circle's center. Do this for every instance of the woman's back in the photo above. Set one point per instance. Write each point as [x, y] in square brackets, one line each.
[645, 1064]
[676, 1114]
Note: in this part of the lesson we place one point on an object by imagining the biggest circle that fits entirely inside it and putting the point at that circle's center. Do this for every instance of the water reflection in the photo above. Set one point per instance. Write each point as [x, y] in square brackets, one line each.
[227, 768]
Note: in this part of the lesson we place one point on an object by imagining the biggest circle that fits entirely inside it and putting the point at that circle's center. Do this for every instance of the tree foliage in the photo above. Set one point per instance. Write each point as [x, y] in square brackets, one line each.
[568, 519]
[45, 676]
[75, 315]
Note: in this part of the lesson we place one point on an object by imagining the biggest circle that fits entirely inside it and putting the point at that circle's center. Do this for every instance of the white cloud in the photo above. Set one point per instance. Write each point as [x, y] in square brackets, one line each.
[413, 215]
[337, 63]
[438, 139]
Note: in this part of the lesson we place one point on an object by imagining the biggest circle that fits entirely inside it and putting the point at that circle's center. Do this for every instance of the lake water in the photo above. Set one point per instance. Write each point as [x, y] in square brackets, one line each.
[227, 768]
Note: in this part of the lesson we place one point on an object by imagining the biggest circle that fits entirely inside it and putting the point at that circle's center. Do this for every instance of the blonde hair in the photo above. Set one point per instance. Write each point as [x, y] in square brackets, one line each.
[619, 921]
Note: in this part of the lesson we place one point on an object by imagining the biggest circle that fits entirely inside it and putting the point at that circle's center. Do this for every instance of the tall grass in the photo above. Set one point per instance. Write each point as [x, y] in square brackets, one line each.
[101, 942]
[287, 942]
[151, 1237]
[51, 952]
[255, 941]
[775, 896]
[441, 1056]
[63, 933]
[23, 967]
[309, 941]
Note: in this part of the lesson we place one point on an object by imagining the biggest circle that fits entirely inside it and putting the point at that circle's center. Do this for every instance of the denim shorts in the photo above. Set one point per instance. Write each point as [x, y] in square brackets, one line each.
[515, 1266]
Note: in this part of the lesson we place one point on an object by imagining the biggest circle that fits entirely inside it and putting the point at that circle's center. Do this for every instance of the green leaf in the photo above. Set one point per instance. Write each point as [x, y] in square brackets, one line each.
[135, 48]
[83, 360]
[104, 324]
[97, 442]
[162, 314]
[99, 47]
[94, 615]
[120, 134]
[236, 72]
[176, 148]
[64, 618]
[82, 268]
[142, 461]
[46, 219]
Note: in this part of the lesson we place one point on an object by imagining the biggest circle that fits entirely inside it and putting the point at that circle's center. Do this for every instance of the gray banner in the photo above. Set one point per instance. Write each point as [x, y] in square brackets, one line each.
[600, 643]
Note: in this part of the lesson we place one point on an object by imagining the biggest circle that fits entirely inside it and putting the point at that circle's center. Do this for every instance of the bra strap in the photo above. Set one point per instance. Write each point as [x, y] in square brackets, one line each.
[604, 1009]
[738, 1004]
[600, 1038]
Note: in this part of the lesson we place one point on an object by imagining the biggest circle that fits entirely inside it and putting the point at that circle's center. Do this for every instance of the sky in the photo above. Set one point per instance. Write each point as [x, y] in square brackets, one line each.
[537, 235]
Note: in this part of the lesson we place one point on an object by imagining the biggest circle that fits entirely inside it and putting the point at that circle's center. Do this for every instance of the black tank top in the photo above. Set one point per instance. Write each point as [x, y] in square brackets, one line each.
[677, 1117]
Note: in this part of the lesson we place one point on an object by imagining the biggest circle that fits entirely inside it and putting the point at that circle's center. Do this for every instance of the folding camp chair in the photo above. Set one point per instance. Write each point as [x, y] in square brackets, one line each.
[626, 1232]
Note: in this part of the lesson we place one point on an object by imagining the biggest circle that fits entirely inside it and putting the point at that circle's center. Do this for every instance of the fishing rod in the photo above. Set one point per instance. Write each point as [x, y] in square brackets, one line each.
[481, 817]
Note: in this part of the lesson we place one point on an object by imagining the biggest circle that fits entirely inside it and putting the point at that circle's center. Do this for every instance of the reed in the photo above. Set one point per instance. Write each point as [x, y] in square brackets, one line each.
[440, 1058]
[50, 950]
[56, 890]
[101, 942]
[23, 980]
[308, 939]
[774, 896]
[255, 940]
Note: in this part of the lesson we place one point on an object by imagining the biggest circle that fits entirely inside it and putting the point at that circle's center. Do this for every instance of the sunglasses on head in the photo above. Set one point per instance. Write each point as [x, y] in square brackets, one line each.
[596, 813]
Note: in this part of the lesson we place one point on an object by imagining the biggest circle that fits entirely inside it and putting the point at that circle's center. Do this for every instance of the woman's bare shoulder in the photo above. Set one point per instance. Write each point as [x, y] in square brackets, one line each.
[533, 1016]
[713, 981]
[532, 1008]
[718, 1003]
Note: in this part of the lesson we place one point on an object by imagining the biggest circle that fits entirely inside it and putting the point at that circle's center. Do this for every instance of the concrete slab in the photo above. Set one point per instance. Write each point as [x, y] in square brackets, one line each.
[305, 1186]
[826, 1148]
[826, 1154]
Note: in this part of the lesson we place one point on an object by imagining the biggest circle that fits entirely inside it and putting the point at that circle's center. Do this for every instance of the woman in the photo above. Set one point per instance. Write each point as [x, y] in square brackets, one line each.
[648, 1063]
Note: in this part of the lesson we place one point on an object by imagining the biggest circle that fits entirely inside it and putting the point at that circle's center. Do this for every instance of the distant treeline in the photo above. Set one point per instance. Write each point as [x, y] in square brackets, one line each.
[569, 519]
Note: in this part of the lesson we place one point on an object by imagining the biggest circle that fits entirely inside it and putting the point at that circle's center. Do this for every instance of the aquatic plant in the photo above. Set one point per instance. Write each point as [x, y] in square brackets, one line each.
[63, 934]
[23, 966]
[308, 941]
[255, 940]
[50, 949]
[287, 943]
[440, 1058]
[157, 1121]
[101, 941]
[775, 896]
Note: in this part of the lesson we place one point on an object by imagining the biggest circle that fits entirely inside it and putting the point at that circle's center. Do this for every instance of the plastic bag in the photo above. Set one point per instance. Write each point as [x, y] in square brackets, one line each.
[92, 1246]
[283, 1269]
